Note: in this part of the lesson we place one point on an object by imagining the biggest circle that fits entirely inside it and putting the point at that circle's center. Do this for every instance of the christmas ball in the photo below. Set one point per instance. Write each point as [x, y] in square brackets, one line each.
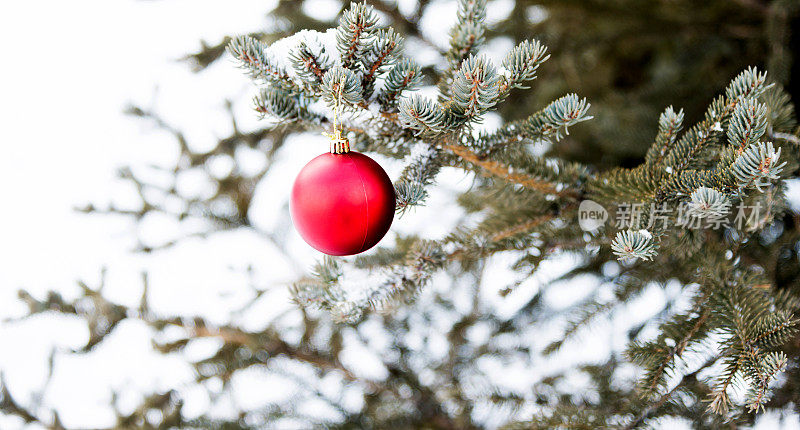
[342, 204]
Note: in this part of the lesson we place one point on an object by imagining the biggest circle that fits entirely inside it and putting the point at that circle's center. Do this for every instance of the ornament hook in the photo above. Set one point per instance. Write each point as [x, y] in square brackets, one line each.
[339, 143]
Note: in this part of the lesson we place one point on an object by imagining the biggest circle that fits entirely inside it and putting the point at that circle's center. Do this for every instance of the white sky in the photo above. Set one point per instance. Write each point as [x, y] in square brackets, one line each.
[69, 70]
[74, 68]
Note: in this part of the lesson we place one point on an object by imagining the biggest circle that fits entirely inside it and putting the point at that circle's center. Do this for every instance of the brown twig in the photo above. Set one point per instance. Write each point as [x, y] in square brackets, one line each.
[497, 169]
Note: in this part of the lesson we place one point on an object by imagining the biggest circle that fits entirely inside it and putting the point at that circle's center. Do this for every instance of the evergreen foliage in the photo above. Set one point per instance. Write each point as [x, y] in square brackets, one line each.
[718, 161]
[732, 325]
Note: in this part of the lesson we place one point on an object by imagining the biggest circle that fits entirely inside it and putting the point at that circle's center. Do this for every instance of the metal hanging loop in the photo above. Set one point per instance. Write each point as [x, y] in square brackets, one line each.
[339, 143]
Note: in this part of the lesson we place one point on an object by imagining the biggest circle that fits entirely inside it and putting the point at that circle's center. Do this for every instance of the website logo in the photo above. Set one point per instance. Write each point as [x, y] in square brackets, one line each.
[591, 216]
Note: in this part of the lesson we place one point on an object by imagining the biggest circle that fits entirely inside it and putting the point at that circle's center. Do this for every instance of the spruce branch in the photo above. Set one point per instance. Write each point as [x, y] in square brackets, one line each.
[780, 111]
[527, 194]
[468, 33]
[659, 357]
[652, 408]
[282, 105]
[770, 366]
[255, 58]
[669, 125]
[521, 63]
[558, 116]
[276, 103]
[475, 88]
[521, 228]
[341, 84]
[355, 32]
[748, 123]
[551, 123]
[629, 244]
[321, 290]
[757, 166]
[744, 88]
[743, 314]
[422, 115]
[465, 36]
[720, 401]
[405, 75]
[404, 281]
[409, 194]
[586, 314]
[693, 165]
[506, 173]
[401, 281]
[310, 62]
[750, 83]
[701, 136]
[249, 347]
[773, 329]
[708, 203]
[383, 52]
[422, 166]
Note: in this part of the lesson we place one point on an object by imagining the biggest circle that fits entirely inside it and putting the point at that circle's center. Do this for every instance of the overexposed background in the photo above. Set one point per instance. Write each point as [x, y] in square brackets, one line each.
[69, 70]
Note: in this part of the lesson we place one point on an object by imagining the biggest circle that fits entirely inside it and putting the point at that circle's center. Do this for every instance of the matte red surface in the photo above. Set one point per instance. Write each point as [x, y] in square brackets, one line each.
[342, 204]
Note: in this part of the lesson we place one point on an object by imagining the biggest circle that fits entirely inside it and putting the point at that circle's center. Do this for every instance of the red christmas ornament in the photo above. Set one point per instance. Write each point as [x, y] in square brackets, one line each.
[342, 203]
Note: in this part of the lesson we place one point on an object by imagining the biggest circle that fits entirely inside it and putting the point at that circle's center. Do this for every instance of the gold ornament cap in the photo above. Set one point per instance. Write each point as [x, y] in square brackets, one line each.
[339, 143]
